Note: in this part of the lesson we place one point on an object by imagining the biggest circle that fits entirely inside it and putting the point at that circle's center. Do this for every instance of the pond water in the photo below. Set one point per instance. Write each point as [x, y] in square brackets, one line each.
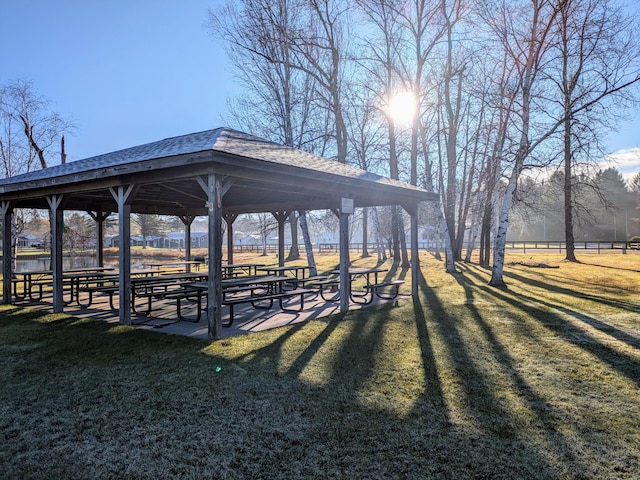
[38, 264]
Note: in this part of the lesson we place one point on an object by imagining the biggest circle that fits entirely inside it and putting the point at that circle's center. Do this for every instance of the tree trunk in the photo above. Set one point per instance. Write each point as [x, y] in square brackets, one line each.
[380, 248]
[497, 278]
[568, 189]
[365, 232]
[485, 236]
[28, 131]
[395, 234]
[403, 242]
[449, 260]
[294, 251]
[473, 237]
[308, 247]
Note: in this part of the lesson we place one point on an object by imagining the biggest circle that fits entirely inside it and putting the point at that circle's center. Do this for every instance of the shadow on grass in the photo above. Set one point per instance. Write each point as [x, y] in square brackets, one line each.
[433, 387]
[185, 419]
[271, 354]
[610, 267]
[397, 271]
[479, 398]
[615, 303]
[535, 403]
[544, 313]
[604, 327]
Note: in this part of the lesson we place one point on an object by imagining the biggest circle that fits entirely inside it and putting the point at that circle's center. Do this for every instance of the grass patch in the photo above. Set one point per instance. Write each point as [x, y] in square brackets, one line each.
[536, 381]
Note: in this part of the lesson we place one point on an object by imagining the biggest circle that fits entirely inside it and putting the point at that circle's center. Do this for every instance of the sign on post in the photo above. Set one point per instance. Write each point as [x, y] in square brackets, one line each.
[347, 206]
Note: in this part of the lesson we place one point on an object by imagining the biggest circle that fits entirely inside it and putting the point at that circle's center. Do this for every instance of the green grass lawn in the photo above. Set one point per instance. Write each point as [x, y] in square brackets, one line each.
[540, 380]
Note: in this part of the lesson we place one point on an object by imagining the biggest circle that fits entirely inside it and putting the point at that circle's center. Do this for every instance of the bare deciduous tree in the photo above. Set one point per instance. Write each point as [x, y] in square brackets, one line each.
[30, 131]
[596, 56]
[278, 101]
[522, 29]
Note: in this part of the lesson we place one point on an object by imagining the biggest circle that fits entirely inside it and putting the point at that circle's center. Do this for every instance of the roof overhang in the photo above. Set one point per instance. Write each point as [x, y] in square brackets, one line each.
[259, 176]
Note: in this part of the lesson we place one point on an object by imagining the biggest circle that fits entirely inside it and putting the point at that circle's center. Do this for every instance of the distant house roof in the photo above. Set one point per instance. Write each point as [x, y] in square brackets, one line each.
[261, 176]
[180, 235]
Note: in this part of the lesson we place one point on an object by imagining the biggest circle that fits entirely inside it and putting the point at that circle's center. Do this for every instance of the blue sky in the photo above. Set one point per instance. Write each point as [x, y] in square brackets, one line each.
[128, 72]
[125, 71]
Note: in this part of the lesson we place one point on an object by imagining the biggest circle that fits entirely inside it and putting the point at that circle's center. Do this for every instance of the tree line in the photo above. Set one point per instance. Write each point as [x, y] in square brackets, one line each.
[605, 208]
[502, 89]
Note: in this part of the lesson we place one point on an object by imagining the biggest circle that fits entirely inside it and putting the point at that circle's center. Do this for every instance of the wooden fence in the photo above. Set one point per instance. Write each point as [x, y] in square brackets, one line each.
[596, 245]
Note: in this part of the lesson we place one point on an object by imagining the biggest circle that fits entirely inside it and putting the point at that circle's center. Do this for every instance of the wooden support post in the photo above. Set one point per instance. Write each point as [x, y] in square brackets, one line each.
[230, 218]
[123, 195]
[187, 220]
[281, 217]
[100, 239]
[214, 190]
[99, 217]
[214, 204]
[345, 278]
[7, 261]
[57, 220]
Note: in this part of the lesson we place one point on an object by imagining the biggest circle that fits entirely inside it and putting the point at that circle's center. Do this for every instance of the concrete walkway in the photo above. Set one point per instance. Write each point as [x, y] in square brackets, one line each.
[247, 319]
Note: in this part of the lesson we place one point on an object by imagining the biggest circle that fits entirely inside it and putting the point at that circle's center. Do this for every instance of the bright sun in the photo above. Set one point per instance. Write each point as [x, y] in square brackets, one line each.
[402, 107]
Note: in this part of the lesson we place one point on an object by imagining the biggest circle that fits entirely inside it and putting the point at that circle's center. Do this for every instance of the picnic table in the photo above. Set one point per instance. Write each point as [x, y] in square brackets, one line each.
[236, 269]
[143, 285]
[297, 274]
[76, 280]
[96, 281]
[296, 271]
[258, 290]
[386, 290]
[39, 278]
[362, 272]
[160, 286]
[195, 263]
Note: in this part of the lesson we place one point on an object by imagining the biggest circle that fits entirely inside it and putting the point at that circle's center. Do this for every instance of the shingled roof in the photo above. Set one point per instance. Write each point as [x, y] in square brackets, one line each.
[266, 177]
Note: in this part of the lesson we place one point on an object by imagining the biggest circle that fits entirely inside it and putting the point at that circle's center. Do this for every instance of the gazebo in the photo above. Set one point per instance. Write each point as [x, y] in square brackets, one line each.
[218, 173]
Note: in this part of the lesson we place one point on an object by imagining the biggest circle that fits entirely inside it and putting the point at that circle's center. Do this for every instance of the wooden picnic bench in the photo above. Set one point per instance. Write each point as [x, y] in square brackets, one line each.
[377, 288]
[259, 291]
[326, 282]
[257, 300]
[149, 287]
[386, 290]
[160, 286]
[91, 289]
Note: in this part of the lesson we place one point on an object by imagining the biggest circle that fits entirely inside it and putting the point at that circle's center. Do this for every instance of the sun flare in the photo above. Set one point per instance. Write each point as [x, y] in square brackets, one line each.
[402, 107]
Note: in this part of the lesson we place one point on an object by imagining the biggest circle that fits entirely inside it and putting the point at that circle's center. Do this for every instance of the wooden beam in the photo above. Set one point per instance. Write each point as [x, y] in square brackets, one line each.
[123, 196]
[345, 278]
[187, 220]
[214, 205]
[229, 218]
[281, 217]
[6, 211]
[57, 219]
[99, 217]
